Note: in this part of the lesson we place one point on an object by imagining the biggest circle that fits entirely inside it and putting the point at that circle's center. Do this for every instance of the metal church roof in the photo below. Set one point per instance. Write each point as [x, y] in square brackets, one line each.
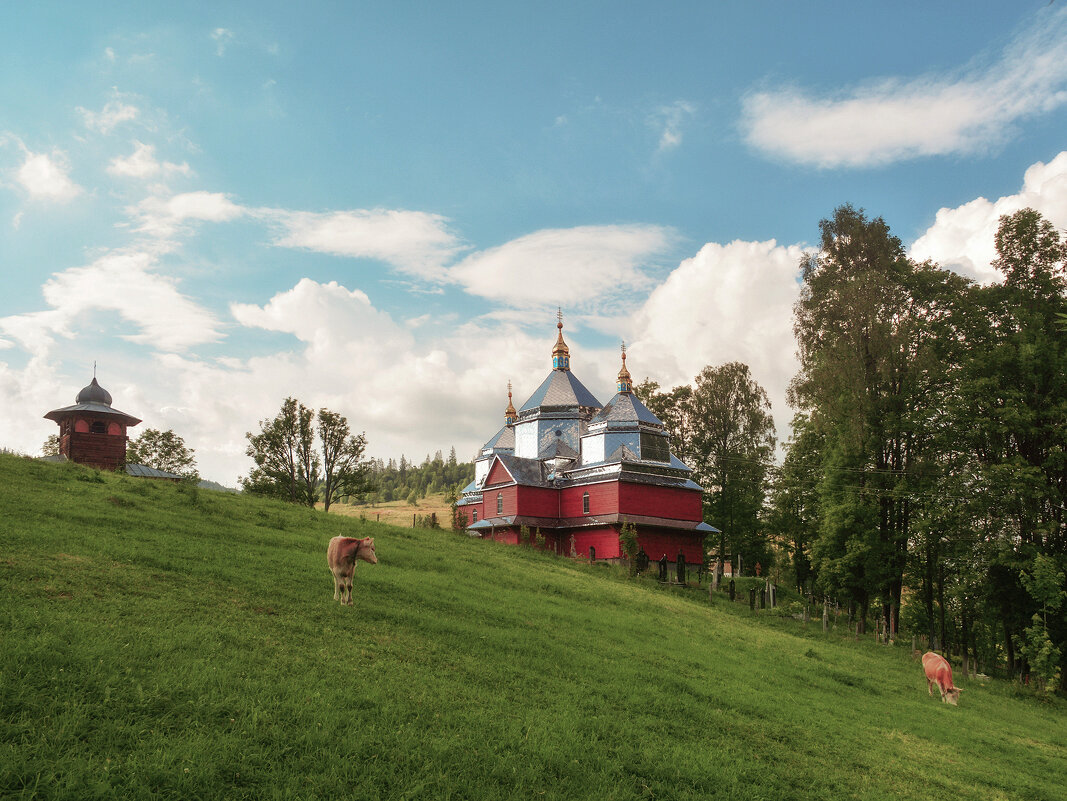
[144, 471]
[626, 407]
[561, 388]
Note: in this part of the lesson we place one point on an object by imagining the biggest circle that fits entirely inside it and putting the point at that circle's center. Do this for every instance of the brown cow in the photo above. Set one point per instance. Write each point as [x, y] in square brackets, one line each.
[939, 670]
[341, 557]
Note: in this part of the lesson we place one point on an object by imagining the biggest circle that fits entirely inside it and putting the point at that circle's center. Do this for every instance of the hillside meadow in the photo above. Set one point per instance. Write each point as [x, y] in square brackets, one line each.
[165, 642]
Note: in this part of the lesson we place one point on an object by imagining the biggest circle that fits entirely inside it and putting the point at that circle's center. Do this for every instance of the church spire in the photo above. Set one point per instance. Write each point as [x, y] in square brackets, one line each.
[625, 383]
[510, 413]
[561, 354]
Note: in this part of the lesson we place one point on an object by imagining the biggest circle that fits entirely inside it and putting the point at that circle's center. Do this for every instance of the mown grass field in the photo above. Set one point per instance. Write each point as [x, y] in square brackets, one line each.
[164, 643]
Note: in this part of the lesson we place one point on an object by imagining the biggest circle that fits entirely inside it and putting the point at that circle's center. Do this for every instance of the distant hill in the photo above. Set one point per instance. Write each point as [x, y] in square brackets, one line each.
[214, 485]
[159, 640]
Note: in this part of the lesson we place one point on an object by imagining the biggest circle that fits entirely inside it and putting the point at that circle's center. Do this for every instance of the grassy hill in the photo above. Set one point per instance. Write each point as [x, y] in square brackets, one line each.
[165, 642]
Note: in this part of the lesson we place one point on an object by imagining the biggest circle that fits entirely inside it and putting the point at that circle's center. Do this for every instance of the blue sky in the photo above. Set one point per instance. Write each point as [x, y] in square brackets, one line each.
[378, 207]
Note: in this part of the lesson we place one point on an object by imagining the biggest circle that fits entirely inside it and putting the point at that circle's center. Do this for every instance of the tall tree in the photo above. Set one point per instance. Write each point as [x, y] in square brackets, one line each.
[280, 451]
[721, 426]
[163, 450]
[866, 330]
[343, 470]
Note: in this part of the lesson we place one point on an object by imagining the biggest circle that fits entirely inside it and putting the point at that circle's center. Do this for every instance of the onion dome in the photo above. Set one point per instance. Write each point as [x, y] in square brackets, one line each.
[625, 383]
[509, 413]
[561, 354]
[94, 393]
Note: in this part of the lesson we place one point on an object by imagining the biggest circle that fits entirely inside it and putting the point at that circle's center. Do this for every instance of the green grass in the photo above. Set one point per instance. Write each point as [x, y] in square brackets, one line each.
[161, 643]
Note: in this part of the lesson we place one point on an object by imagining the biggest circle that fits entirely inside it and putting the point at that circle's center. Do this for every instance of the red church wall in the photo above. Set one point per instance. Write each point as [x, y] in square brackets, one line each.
[603, 499]
[538, 501]
[498, 475]
[492, 508]
[657, 542]
[676, 504]
[604, 540]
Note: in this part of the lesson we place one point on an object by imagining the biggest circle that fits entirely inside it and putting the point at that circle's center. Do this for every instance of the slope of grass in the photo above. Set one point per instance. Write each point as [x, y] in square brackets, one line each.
[159, 642]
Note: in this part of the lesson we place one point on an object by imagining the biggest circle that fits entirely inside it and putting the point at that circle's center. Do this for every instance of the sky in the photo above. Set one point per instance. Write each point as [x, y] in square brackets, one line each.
[378, 208]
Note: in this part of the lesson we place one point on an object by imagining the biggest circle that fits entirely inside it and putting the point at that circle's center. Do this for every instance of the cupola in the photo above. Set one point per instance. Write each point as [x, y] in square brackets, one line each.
[510, 413]
[625, 383]
[561, 354]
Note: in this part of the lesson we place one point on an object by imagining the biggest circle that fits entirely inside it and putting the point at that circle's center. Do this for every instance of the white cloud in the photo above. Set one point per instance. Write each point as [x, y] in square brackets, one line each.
[123, 282]
[45, 177]
[890, 120]
[109, 117]
[222, 38]
[415, 242]
[669, 120]
[586, 267]
[163, 216]
[729, 302]
[142, 163]
[962, 238]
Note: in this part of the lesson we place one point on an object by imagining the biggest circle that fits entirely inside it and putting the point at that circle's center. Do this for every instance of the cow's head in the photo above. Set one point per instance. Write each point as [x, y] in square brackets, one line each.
[952, 696]
[365, 551]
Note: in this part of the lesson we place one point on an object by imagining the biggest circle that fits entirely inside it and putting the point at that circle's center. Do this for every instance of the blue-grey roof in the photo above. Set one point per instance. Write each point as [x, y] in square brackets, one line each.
[98, 409]
[144, 471]
[561, 388]
[504, 438]
[626, 407]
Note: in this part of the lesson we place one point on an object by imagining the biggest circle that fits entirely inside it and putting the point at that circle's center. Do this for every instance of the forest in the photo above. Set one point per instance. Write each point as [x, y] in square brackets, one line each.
[405, 481]
[923, 482]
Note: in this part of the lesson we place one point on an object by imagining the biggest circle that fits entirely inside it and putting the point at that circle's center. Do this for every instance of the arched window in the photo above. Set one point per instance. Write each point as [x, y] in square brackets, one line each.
[98, 427]
[500, 503]
[474, 515]
[585, 503]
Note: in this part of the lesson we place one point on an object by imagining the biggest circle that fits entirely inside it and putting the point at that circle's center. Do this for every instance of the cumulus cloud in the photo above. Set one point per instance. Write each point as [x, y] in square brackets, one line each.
[123, 282]
[114, 113]
[416, 243]
[962, 238]
[45, 176]
[142, 163]
[730, 302]
[967, 112]
[589, 266]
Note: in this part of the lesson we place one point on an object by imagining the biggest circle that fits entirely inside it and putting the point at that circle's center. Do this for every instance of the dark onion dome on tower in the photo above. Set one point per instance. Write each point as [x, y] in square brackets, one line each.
[94, 393]
[95, 400]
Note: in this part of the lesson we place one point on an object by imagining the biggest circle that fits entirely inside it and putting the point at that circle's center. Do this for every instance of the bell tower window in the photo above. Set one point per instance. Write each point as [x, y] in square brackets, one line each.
[98, 427]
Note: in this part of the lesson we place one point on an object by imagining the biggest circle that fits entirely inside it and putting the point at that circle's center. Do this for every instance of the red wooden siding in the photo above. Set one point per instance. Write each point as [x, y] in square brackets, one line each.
[670, 502]
[498, 475]
[657, 542]
[603, 499]
[103, 451]
[537, 501]
[604, 540]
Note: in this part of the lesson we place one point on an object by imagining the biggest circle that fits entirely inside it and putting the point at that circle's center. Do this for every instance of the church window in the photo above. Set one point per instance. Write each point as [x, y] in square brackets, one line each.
[585, 503]
[654, 448]
[474, 515]
[500, 503]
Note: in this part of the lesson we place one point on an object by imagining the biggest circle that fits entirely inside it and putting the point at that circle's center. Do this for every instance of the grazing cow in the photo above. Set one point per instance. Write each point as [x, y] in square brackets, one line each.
[940, 671]
[341, 556]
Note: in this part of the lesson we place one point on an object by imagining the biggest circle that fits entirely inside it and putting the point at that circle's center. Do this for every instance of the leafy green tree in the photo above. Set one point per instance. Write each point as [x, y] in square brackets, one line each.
[343, 470]
[283, 451]
[51, 446]
[163, 450]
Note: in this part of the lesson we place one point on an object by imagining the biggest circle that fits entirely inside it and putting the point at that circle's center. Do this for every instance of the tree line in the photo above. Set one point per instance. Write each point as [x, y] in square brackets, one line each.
[926, 474]
[925, 480]
[405, 481]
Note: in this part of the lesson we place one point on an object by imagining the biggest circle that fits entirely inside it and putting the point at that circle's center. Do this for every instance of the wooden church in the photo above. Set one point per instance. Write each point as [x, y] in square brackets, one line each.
[577, 470]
